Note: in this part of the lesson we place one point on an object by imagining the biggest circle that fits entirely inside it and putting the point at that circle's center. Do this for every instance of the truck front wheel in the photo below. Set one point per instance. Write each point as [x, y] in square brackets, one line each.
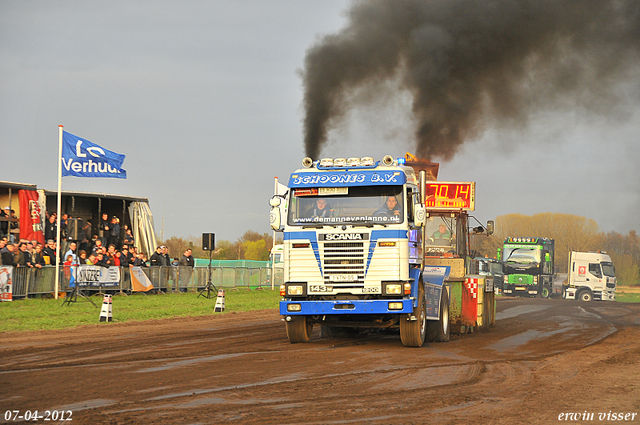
[413, 332]
[585, 295]
[299, 329]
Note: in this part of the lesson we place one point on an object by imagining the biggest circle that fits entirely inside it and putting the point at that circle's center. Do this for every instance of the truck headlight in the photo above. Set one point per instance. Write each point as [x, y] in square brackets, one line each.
[393, 289]
[294, 290]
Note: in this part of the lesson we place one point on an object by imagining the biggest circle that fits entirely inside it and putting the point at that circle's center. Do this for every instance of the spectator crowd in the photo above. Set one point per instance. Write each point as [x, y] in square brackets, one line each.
[110, 245]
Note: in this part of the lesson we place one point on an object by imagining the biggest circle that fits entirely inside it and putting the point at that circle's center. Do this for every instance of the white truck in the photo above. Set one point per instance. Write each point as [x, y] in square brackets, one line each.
[591, 276]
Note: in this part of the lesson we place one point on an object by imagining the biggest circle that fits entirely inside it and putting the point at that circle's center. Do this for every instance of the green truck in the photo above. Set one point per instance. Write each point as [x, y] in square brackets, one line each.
[528, 266]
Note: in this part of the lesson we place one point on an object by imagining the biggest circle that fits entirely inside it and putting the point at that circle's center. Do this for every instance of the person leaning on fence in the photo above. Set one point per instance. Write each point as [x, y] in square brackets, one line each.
[25, 256]
[127, 254]
[82, 257]
[101, 260]
[8, 258]
[72, 251]
[141, 260]
[186, 269]
[38, 257]
[156, 259]
[49, 253]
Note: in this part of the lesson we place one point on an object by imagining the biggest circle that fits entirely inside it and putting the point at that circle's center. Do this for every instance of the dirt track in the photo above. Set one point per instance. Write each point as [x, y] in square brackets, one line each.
[543, 358]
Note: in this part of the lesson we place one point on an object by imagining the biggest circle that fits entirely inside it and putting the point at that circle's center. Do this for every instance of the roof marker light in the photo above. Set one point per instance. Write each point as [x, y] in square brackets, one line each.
[326, 162]
[367, 161]
[339, 162]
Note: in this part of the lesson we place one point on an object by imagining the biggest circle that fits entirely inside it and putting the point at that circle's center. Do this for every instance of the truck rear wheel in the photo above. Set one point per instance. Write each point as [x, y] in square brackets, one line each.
[299, 329]
[439, 330]
[413, 332]
[585, 295]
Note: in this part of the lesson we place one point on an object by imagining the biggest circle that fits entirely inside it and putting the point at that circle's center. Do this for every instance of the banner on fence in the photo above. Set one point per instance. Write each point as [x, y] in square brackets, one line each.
[86, 275]
[6, 283]
[139, 280]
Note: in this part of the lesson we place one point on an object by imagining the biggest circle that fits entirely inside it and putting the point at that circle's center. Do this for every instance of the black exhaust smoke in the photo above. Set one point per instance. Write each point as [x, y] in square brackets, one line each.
[470, 62]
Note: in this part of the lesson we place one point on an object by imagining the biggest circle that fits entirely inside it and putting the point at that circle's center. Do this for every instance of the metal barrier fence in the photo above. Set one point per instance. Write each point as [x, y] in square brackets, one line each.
[28, 281]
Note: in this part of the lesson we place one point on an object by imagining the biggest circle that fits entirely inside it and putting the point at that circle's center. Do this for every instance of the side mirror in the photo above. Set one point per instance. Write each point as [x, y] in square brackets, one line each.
[490, 227]
[275, 201]
[274, 218]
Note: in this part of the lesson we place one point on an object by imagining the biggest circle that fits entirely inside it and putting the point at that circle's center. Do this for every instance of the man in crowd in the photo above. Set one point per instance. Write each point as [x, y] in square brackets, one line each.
[50, 228]
[114, 232]
[49, 252]
[72, 252]
[8, 258]
[103, 229]
[186, 269]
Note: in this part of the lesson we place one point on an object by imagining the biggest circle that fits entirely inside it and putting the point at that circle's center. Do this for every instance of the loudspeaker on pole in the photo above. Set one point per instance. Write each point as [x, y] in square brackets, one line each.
[219, 308]
[208, 241]
[106, 314]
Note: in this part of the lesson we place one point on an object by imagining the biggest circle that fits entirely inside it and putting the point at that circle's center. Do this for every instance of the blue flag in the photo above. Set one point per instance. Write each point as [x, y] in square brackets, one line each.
[82, 158]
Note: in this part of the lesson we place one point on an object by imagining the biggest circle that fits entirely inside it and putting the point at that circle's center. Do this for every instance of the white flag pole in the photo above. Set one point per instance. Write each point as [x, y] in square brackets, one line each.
[58, 210]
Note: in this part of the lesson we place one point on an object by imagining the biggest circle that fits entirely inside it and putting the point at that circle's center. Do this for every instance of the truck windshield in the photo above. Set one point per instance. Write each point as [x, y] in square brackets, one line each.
[349, 205]
[608, 269]
[441, 233]
[522, 255]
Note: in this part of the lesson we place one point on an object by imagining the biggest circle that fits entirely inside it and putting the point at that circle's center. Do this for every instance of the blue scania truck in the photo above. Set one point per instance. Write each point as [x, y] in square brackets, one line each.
[355, 234]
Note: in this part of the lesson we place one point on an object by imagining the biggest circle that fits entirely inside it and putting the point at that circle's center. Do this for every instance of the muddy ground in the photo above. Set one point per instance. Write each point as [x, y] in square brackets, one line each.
[543, 358]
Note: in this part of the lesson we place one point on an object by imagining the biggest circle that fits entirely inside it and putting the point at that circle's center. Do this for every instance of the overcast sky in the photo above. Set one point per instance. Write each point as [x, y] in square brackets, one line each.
[205, 100]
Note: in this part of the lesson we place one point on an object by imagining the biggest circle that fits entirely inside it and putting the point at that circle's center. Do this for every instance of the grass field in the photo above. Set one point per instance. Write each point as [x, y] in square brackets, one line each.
[35, 314]
[628, 296]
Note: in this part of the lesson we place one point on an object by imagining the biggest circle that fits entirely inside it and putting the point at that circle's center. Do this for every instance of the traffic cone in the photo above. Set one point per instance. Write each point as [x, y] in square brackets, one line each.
[106, 314]
[219, 308]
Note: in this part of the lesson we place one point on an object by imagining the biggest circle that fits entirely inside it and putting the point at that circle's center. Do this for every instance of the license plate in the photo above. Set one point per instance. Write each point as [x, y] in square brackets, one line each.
[320, 288]
[343, 277]
[520, 288]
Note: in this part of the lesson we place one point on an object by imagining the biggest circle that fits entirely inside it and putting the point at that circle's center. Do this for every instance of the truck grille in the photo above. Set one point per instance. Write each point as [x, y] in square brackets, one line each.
[344, 258]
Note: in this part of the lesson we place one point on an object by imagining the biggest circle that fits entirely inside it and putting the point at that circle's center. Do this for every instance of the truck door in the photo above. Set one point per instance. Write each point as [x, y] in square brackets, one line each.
[595, 275]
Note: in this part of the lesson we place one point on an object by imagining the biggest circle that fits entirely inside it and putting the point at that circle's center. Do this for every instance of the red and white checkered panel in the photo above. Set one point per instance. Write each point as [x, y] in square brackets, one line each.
[472, 285]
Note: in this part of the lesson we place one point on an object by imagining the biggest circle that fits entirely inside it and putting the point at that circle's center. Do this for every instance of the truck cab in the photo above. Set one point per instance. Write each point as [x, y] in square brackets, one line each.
[528, 264]
[591, 277]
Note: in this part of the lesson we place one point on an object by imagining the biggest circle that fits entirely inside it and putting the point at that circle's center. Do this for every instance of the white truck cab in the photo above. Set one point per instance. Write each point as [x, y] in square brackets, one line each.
[591, 276]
